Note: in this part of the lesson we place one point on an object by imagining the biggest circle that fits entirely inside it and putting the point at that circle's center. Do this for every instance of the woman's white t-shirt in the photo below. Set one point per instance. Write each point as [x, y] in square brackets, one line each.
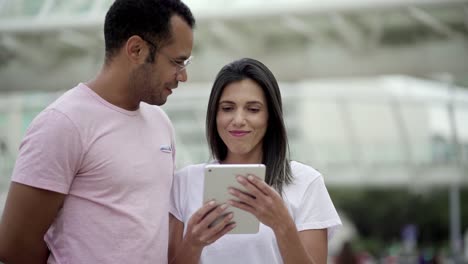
[306, 197]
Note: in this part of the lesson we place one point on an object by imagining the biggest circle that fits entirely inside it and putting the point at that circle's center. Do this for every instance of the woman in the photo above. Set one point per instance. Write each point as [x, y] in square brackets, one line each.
[244, 124]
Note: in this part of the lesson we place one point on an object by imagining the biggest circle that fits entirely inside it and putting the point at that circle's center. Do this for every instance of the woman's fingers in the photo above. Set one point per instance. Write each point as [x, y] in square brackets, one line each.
[202, 212]
[225, 229]
[212, 215]
[243, 197]
[266, 204]
[243, 206]
[209, 223]
[218, 228]
[260, 184]
[250, 187]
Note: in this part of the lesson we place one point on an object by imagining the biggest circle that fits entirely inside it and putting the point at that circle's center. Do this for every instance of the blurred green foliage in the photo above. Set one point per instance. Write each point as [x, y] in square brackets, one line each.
[379, 215]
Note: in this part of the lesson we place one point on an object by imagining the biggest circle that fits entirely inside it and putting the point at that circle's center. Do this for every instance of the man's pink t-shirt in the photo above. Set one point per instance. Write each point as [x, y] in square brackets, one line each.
[116, 169]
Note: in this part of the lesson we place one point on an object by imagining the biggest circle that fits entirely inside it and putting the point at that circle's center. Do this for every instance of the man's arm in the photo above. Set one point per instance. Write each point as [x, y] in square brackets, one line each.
[27, 215]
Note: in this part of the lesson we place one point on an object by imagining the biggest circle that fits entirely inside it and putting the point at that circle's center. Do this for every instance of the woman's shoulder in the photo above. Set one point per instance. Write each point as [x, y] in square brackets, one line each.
[194, 169]
[305, 178]
[304, 173]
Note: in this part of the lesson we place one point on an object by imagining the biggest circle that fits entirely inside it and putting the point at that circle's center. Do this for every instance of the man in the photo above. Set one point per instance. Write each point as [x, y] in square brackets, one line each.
[92, 180]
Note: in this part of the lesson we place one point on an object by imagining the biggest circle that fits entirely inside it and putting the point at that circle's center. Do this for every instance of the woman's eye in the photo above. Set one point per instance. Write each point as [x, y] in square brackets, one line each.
[226, 108]
[254, 110]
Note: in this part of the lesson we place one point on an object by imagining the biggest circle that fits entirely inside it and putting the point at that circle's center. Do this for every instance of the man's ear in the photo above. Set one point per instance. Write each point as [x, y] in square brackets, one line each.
[136, 49]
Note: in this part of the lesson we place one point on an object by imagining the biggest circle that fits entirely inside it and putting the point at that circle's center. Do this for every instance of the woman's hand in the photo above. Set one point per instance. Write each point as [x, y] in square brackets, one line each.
[262, 201]
[208, 224]
[309, 246]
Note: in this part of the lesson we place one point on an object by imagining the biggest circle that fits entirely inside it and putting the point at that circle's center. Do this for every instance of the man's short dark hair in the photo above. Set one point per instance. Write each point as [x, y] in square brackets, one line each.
[149, 19]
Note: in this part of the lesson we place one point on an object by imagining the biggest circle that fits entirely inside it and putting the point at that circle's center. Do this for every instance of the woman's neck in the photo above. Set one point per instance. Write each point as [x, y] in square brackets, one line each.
[242, 159]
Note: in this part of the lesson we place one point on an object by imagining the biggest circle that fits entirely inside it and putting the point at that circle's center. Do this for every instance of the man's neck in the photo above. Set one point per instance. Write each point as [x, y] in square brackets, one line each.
[112, 85]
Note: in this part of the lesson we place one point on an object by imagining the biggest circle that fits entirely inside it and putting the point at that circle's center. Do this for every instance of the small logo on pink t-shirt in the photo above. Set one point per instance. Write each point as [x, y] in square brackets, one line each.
[166, 148]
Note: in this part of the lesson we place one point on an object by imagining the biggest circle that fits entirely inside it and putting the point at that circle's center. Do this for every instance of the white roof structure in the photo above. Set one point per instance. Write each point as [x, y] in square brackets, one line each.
[385, 131]
[51, 44]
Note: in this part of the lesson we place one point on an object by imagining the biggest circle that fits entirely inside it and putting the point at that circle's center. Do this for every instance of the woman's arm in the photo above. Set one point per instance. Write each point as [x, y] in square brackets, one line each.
[201, 231]
[266, 204]
[309, 246]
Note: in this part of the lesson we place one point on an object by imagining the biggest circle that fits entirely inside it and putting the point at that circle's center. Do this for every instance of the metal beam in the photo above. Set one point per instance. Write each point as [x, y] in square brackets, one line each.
[428, 20]
[98, 7]
[52, 24]
[77, 39]
[217, 9]
[295, 24]
[351, 35]
[209, 10]
[24, 52]
[230, 38]
[45, 9]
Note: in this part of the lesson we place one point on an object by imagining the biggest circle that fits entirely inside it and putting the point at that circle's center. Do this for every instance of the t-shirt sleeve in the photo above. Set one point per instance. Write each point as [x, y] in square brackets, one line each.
[317, 210]
[50, 153]
[177, 197]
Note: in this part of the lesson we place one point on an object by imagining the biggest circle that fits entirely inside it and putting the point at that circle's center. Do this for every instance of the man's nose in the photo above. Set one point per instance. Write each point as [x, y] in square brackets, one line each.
[182, 76]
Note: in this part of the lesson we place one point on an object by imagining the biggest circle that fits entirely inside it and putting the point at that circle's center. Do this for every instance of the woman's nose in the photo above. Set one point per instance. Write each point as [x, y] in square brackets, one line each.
[239, 118]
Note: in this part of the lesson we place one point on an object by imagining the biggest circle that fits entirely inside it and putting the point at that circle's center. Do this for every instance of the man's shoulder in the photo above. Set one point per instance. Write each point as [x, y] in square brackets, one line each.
[73, 100]
[55, 114]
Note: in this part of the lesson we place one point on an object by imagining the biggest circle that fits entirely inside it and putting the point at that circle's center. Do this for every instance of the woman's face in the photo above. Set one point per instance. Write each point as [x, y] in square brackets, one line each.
[242, 119]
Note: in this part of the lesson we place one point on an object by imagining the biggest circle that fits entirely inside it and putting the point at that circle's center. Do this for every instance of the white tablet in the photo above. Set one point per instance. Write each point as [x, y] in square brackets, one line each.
[218, 178]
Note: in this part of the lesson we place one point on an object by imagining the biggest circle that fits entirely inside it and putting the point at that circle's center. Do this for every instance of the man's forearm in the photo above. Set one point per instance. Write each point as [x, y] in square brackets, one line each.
[31, 255]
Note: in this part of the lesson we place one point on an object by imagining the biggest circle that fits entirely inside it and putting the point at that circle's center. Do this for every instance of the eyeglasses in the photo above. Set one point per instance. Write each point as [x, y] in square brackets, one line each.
[180, 65]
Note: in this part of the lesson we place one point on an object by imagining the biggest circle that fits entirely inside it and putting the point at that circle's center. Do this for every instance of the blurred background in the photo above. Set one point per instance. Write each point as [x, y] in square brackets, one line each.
[375, 97]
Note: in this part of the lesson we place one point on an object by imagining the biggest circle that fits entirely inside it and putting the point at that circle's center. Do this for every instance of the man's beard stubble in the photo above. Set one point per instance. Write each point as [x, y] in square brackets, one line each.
[143, 88]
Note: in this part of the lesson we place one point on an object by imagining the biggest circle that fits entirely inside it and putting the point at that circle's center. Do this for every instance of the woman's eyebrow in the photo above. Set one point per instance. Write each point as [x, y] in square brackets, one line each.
[226, 102]
[255, 102]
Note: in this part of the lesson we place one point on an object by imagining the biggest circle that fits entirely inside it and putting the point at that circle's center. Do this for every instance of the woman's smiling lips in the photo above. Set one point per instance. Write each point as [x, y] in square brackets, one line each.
[238, 133]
